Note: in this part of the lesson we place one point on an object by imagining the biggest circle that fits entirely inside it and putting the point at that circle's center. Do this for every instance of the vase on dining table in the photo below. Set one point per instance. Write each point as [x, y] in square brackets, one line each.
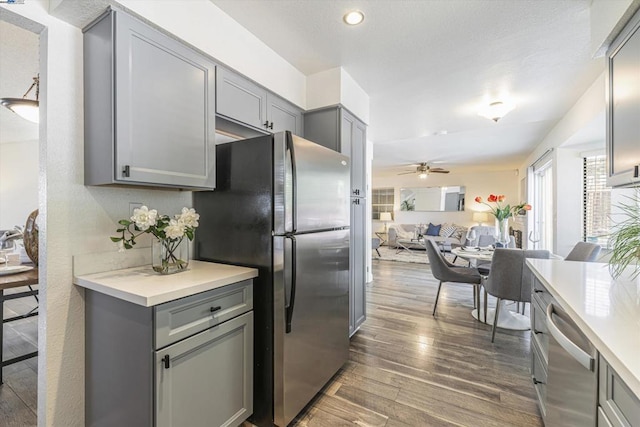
[502, 232]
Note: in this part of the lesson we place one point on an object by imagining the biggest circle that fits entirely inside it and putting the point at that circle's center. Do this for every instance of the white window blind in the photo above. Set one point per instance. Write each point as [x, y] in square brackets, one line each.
[596, 200]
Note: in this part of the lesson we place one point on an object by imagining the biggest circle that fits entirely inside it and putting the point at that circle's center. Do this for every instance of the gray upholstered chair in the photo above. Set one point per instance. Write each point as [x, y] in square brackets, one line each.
[584, 251]
[509, 279]
[444, 271]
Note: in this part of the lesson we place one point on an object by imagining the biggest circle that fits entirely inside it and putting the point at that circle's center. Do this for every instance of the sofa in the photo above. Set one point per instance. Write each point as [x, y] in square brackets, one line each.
[411, 231]
[445, 241]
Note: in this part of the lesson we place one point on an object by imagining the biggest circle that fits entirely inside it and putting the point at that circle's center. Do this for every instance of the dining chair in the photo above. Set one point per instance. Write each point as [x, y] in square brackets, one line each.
[508, 278]
[375, 244]
[584, 251]
[444, 271]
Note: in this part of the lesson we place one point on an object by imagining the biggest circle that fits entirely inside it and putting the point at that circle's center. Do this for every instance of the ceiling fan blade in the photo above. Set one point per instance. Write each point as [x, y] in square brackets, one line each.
[406, 173]
[438, 171]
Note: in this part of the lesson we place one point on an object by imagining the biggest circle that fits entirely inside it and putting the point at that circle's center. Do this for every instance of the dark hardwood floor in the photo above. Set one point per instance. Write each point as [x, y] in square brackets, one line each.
[18, 394]
[408, 368]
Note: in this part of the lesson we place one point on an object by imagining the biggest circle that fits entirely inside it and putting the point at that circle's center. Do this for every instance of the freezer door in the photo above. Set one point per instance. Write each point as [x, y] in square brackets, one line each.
[311, 318]
[311, 186]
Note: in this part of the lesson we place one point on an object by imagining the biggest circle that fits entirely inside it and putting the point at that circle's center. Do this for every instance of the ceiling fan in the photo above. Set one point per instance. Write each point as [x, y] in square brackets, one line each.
[422, 169]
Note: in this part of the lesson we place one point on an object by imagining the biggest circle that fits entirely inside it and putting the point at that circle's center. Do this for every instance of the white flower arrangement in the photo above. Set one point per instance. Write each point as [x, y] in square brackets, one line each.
[169, 231]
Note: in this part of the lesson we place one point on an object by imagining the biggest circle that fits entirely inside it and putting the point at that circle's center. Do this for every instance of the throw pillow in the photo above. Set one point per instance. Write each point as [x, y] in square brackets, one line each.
[433, 230]
[460, 231]
[448, 230]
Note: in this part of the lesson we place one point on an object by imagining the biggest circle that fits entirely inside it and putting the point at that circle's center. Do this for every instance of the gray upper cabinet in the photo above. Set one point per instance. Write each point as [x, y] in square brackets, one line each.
[338, 129]
[243, 101]
[149, 107]
[623, 107]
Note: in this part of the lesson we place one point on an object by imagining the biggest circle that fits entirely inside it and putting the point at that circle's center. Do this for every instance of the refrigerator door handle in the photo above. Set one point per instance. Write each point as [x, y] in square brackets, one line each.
[294, 182]
[292, 296]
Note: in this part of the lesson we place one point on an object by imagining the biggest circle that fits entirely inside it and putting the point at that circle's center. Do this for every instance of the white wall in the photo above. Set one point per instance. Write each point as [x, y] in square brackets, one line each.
[18, 182]
[567, 195]
[476, 184]
[336, 86]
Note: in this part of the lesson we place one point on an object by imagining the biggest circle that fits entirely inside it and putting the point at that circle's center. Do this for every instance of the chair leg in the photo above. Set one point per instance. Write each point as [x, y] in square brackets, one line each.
[454, 259]
[517, 306]
[378, 252]
[486, 299]
[524, 305]
[435, 305]
[475, 296]
[495, 320]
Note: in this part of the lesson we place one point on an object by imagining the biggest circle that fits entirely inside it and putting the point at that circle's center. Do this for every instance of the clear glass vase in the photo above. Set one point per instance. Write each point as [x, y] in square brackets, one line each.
[170, 256]
[502, 232]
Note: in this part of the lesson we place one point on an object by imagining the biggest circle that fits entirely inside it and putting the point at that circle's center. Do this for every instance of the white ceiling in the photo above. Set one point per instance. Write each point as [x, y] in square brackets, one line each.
[18, 66]
[428, 65]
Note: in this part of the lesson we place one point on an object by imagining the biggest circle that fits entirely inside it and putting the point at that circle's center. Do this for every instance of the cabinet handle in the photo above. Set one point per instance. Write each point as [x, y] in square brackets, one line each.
[535, 381]
[538, 291]
[266, 124]
[214, 309]
[271, 125]
[166, 361]
[356, 192]
[636, 171]
[125, 171]
[535, 331]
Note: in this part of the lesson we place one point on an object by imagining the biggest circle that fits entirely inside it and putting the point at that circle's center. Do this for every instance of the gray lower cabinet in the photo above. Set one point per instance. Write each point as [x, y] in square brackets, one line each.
[540, 299]
[619, 406]
[149, 107]
[188, 362]
[243, 101]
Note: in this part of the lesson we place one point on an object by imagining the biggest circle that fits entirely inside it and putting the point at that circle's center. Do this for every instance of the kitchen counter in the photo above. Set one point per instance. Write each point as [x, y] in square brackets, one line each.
[143, 286]
[606, 310]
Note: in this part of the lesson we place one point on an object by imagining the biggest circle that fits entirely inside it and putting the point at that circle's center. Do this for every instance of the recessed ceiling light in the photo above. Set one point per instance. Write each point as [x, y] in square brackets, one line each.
[354, 17]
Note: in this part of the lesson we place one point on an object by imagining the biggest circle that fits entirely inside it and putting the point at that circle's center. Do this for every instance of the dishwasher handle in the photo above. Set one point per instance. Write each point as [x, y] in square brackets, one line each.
[581, 356]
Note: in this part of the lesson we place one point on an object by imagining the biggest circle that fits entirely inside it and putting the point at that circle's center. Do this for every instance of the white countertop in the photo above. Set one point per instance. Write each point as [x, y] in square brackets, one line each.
[606, 310]
[143, 286]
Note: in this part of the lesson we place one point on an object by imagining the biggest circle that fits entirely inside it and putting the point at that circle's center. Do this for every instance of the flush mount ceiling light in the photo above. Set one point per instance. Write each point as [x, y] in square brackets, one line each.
[354, 17]
[25, 108]
[496, 110]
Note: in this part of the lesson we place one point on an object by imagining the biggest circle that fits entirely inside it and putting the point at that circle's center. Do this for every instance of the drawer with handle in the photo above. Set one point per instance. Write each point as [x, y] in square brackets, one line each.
[182, 318]
[539, 379]
[541, 294]
[539, 332]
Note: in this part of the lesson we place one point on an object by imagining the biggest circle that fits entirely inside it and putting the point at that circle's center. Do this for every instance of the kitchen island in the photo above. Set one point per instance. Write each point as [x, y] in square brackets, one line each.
[607, 311]
[169, 350]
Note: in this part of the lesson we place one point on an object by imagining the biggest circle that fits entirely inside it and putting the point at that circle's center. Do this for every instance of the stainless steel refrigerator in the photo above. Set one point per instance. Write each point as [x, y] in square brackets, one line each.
[281, 205]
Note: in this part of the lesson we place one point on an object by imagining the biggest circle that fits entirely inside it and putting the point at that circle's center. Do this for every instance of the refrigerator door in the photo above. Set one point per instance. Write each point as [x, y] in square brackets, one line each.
[311, 186]
[311, 317]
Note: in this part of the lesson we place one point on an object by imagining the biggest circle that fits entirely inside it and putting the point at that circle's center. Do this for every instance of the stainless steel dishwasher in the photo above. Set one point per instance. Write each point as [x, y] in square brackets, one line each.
[572, 383]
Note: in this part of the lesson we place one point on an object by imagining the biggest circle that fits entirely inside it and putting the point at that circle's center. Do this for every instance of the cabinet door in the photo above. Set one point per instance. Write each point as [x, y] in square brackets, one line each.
[207, 380]
[358, 265]
[283, 115]
[241, 100]
[623, 107]
[165, 100]
[358, 159]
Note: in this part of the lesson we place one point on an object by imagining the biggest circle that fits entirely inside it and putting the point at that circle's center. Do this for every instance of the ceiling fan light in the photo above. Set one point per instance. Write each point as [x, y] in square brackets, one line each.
[423, 175]
[496, 110]
[25, 108]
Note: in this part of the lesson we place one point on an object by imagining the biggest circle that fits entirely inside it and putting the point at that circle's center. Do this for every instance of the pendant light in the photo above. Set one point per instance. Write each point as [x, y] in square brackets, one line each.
[24, 107]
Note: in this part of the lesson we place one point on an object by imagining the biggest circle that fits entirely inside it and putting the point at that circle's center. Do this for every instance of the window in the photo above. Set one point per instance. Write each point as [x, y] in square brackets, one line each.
[541, 234]
[381, 201]
[596, 207]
